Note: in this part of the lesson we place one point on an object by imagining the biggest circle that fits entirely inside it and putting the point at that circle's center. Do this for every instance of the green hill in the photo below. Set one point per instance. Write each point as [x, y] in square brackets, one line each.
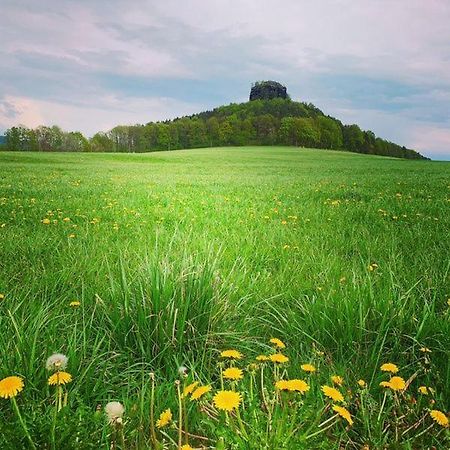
[269, 118]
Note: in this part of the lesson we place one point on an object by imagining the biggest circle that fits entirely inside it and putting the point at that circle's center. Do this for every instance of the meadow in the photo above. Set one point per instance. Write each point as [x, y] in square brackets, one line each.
[134, 265]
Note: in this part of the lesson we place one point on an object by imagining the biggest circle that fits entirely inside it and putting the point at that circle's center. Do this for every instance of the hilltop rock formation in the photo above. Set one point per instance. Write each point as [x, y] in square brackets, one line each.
[267, 90]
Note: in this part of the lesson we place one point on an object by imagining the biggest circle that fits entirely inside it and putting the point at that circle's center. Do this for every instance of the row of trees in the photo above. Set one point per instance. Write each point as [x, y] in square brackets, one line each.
[270, 122]
[45, 139]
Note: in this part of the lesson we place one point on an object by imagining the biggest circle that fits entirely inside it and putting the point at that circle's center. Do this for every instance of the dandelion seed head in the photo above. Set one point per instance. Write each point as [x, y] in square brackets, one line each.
[57, 361]
[114, 411]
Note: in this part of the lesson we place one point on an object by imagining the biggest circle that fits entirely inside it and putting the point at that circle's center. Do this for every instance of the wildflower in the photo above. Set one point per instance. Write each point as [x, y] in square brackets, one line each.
[199, 392]
[59, 378]
[279, 358]
[362, 383]
[282, 385]
[423, 390]
[2, 296]
[57, 361]
[439, 417]
[385, 384]
[298, 386]
[278, 343]
[189, 389]
[114, 411]
[308, 368]
[75, 304]
[183, 371]
[227, 400]
[232, 354]
[336, 379]
[397, 383]
[46, 221]
[343, 412]
[233, 373]
[71, 236]
[10, 386]
[333, 393]
[164, 418]
[186, 447]
[425, 350]
[262, 358]
[389, 367]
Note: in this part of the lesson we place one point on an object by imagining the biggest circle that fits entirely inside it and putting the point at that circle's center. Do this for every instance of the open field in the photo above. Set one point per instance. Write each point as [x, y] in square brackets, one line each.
[176, 256]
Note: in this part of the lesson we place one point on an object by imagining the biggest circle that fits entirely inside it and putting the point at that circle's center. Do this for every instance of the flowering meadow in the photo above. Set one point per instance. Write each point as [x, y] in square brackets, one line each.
[251, 298]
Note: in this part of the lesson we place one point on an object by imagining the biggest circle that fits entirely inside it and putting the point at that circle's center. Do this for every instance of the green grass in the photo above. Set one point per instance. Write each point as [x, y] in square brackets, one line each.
[178, 255]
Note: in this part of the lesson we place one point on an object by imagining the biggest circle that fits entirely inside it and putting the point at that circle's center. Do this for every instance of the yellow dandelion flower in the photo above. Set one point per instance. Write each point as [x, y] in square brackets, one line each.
[362, 383]
[232, 373]
[262, 358]
[423, 390]
[397, 383]
[10, 386]
[233, 354]
[199, 392]
[2, 296]
[278, 343]
[308, 368]
[278, 358]
[59, 378]
[343, 412]
[333, 393]
[75, 304]
[186, 447]
[389, 367]
[439, 417]
[282, 385]
[46, 221]
[189, 389]
[385, 384]
[336, 379]
[298, 386]
[164, 418]
[227, 400]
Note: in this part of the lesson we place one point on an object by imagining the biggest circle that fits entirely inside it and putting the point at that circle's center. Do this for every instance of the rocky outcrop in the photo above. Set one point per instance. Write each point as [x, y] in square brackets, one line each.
[267, 90]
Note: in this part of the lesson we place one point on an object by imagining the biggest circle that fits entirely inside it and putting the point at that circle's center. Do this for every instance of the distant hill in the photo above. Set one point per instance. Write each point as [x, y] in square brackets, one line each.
[269, 118]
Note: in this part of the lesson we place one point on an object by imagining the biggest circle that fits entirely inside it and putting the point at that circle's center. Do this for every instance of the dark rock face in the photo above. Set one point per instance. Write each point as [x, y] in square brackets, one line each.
[267, 90]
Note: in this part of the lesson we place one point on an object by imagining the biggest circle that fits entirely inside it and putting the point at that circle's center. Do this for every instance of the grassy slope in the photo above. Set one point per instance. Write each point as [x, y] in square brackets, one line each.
[228, 244]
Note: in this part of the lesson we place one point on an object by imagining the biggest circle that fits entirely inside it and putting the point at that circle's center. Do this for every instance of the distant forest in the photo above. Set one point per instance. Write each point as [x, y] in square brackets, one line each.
[277, 121]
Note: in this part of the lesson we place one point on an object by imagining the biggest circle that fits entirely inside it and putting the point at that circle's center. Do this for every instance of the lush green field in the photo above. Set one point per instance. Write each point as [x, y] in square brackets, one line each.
[176, 256]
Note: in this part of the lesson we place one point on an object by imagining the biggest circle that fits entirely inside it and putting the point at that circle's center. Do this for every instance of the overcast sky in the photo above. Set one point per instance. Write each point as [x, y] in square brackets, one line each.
[89, 65]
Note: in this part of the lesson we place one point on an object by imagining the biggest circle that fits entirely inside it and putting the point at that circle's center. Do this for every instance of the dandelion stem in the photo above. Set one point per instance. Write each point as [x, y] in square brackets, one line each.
[382, 407]
[25, 429]
[241, 425]
[152, 414]
[323, 429]
[180, 415]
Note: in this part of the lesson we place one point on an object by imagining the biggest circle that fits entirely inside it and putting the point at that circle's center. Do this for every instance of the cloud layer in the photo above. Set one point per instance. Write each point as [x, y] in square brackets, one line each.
[384, 64]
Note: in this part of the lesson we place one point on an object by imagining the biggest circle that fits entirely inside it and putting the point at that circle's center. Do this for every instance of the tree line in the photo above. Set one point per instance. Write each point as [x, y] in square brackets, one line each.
[259, 122]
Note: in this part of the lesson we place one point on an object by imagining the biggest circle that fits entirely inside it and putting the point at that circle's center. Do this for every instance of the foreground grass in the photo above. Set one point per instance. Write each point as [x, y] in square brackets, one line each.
[177, 256]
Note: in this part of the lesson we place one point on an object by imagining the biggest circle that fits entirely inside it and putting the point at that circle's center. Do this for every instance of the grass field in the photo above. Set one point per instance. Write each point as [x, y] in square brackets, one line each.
[177, 256]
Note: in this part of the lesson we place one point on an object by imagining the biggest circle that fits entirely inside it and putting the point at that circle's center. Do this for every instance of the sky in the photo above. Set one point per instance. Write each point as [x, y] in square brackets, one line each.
[89, 65]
